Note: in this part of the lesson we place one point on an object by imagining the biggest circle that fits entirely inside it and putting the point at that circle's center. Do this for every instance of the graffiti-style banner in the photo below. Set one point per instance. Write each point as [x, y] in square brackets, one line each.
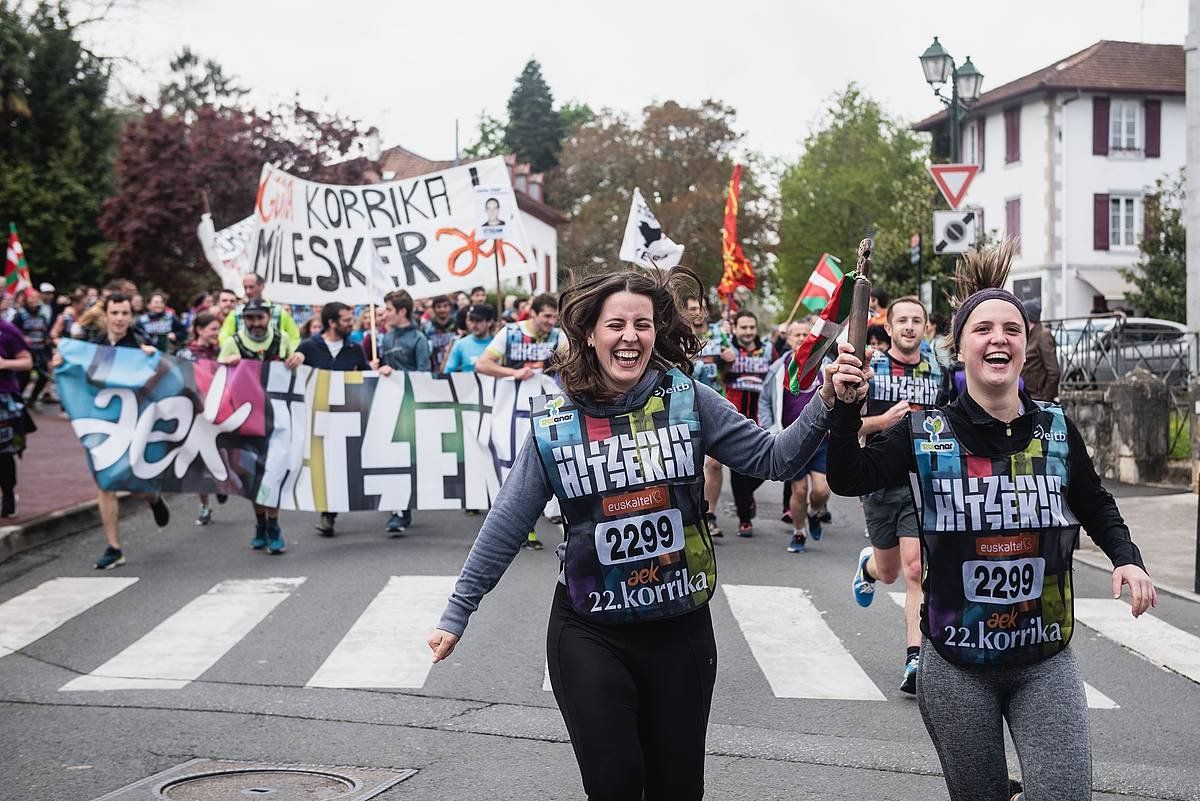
[315, 243]
[302, 439]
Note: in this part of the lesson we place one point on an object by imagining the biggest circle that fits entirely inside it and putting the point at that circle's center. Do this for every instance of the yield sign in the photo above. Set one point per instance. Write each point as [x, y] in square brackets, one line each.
[952, 180]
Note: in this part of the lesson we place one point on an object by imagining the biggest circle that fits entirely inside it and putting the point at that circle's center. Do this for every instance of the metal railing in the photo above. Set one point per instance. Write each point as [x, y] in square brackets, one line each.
[1094, 351]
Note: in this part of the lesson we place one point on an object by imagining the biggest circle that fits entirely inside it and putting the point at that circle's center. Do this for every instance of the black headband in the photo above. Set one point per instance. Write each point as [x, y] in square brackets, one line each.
[971, 303]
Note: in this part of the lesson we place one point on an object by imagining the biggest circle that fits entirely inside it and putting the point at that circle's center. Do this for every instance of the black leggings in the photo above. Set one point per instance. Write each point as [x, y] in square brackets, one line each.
[635, 699]
[743, 487]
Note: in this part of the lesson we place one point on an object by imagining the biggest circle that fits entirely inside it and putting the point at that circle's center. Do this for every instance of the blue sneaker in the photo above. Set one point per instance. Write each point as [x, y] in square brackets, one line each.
[275, 543]
[909, 684]
[797, 543]
[112, 557]
[864, 591]
[814, 527]
[260, 537]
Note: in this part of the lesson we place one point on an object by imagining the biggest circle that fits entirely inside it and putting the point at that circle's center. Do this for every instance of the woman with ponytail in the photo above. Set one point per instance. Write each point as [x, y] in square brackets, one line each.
[1002, 485]
[630, 643]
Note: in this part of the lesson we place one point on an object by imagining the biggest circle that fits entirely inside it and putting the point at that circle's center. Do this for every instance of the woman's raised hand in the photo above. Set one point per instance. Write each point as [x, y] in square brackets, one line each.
[845, 377]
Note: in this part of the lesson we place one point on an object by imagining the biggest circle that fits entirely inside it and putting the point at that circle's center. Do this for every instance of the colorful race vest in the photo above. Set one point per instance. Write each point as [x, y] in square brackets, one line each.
[706, 364]
[440, 341]
[522, 349]
[631, 488]
[919, 383]
[996, 537]
[748, 369]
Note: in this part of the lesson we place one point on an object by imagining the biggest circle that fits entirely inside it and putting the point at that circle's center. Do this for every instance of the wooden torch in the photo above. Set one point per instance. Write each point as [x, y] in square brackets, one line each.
[860, 302]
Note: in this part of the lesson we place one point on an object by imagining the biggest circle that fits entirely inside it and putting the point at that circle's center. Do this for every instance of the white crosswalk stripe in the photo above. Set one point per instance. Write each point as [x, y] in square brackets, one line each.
[1155, 639]
[1095, 698]
[385, 648]
[799, 655]
[797, 652]
[189, 642]
[37, 612]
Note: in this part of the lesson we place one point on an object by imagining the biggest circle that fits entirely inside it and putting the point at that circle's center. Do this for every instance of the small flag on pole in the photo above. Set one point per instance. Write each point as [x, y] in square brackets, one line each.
[645, 244]
[825, 331]
[16, 270]
[822, 283]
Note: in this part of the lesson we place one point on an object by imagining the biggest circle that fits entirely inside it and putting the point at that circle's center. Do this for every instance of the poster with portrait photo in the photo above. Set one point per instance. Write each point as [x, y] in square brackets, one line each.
[494, 209]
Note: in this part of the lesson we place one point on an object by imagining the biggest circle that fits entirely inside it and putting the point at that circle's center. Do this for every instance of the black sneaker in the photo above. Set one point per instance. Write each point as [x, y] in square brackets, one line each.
[325, 526]
[8, 507]
[162, 514]
[825, 516]
[205, 516]
[222, 498]
[112, 557]
[532, 542]
[909, 684]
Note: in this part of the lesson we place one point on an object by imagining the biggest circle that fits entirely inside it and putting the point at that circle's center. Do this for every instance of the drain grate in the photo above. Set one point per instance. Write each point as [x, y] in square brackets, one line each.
[225, 780]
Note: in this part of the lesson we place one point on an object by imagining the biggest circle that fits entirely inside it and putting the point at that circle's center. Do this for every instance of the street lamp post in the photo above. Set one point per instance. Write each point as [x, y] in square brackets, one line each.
[965, 83]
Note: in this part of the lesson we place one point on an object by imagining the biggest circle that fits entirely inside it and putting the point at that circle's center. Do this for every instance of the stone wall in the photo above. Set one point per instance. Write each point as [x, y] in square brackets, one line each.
[1126, 426]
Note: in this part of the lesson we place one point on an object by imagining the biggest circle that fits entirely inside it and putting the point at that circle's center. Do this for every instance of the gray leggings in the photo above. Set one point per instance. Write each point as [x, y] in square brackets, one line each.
[1046, 709]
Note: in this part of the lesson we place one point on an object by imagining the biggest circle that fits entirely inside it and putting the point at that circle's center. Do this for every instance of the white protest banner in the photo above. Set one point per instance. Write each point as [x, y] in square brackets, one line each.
[645, 243]
[313, 242]
[228, 251]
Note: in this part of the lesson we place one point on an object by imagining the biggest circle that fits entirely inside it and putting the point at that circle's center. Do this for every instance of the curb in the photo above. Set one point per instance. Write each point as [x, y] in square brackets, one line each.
[53, 526]
[1102, 563]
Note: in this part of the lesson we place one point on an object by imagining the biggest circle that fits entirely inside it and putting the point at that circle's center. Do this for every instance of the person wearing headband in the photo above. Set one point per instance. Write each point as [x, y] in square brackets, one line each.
[1001, 486]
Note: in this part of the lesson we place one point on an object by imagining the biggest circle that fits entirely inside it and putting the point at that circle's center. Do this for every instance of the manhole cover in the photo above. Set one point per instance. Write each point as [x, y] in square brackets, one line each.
[213, 780]
[238, 785]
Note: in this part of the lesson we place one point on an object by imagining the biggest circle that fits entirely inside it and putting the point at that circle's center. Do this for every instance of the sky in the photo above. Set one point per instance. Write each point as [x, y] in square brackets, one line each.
[413, 68]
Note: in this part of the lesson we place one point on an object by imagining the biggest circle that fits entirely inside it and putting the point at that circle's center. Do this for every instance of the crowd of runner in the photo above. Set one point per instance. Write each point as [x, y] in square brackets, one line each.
[631, 354]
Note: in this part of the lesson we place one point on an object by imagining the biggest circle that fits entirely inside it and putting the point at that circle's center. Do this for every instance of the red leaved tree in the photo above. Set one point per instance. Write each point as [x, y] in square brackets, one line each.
[166, 161]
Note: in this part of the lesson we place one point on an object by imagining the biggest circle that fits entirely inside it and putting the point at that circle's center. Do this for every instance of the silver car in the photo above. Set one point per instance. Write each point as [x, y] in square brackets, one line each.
[1097, 350]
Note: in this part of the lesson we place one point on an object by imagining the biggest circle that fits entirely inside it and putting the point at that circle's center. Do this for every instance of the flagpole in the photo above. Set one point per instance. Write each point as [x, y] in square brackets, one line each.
[371, 312]
[792, 316]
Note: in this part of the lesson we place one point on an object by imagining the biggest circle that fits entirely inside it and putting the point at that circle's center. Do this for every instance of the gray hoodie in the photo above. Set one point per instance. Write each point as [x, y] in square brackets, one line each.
[729, 437]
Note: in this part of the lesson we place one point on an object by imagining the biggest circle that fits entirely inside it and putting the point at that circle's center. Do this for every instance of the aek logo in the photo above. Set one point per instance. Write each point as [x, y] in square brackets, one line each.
[553, 406]
[934, 425]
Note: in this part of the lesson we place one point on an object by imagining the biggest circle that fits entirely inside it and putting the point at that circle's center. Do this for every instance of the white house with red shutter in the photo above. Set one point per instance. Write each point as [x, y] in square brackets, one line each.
[1067, 156]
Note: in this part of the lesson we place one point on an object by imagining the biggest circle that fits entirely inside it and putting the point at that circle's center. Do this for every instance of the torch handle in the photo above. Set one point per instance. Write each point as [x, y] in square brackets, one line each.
[860, 311]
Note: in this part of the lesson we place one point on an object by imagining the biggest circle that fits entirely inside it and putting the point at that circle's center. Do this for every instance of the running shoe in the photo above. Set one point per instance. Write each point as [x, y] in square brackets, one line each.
[864, 591]
[471, 512]
[222, 498]
[205, 516]
[8, 507]
[745, 529]
[814, 527]
[713, 529]
[275, 543]
[825, 516]
[395, 524]
[909, 685]
[797, 543]
[1016, 789]
[260, 537]
[786, 517]
[112, 557]
[326, 524]
[162, 514]
[532, 542]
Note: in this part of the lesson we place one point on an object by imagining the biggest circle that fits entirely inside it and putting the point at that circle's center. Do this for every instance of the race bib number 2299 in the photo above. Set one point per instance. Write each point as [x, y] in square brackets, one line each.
[630, 539]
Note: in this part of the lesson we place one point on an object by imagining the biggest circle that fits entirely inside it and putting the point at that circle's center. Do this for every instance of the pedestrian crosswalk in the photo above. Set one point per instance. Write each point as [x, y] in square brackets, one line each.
[794, 645]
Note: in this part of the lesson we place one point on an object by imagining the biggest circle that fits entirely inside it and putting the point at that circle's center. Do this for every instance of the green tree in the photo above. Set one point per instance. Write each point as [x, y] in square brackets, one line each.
[195, 83]
[1161, 272]
[861, 173]
[573, 114]
[534, 131]
[490, 141]
[57, 137]
[681, 158]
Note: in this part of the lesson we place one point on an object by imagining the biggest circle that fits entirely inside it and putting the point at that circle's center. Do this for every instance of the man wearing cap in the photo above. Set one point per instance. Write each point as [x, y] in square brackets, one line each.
[466, 350]
[1041, 372]
[259, 337]
[281, 318]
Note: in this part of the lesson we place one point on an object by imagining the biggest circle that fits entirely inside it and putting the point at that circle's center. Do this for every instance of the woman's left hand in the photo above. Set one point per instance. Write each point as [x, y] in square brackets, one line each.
[1141, 588]
[844, 377]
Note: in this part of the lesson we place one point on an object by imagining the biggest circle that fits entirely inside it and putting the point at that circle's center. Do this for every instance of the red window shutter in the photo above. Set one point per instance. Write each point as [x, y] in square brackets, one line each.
[1012, 135]
[980, 126]
[1012, 221]
[1100, 130]
[1100, 222]
[1153, 129]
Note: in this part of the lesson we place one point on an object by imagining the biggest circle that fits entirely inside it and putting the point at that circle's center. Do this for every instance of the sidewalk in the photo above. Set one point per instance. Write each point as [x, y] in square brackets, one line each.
[1163, 524]
[55, 489]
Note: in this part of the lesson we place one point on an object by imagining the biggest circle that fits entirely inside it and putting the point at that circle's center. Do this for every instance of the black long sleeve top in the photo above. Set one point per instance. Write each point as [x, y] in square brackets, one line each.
[888, 460]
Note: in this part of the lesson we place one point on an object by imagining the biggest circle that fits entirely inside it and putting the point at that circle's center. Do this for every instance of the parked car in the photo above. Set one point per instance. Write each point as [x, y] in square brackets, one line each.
[1096, 350]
